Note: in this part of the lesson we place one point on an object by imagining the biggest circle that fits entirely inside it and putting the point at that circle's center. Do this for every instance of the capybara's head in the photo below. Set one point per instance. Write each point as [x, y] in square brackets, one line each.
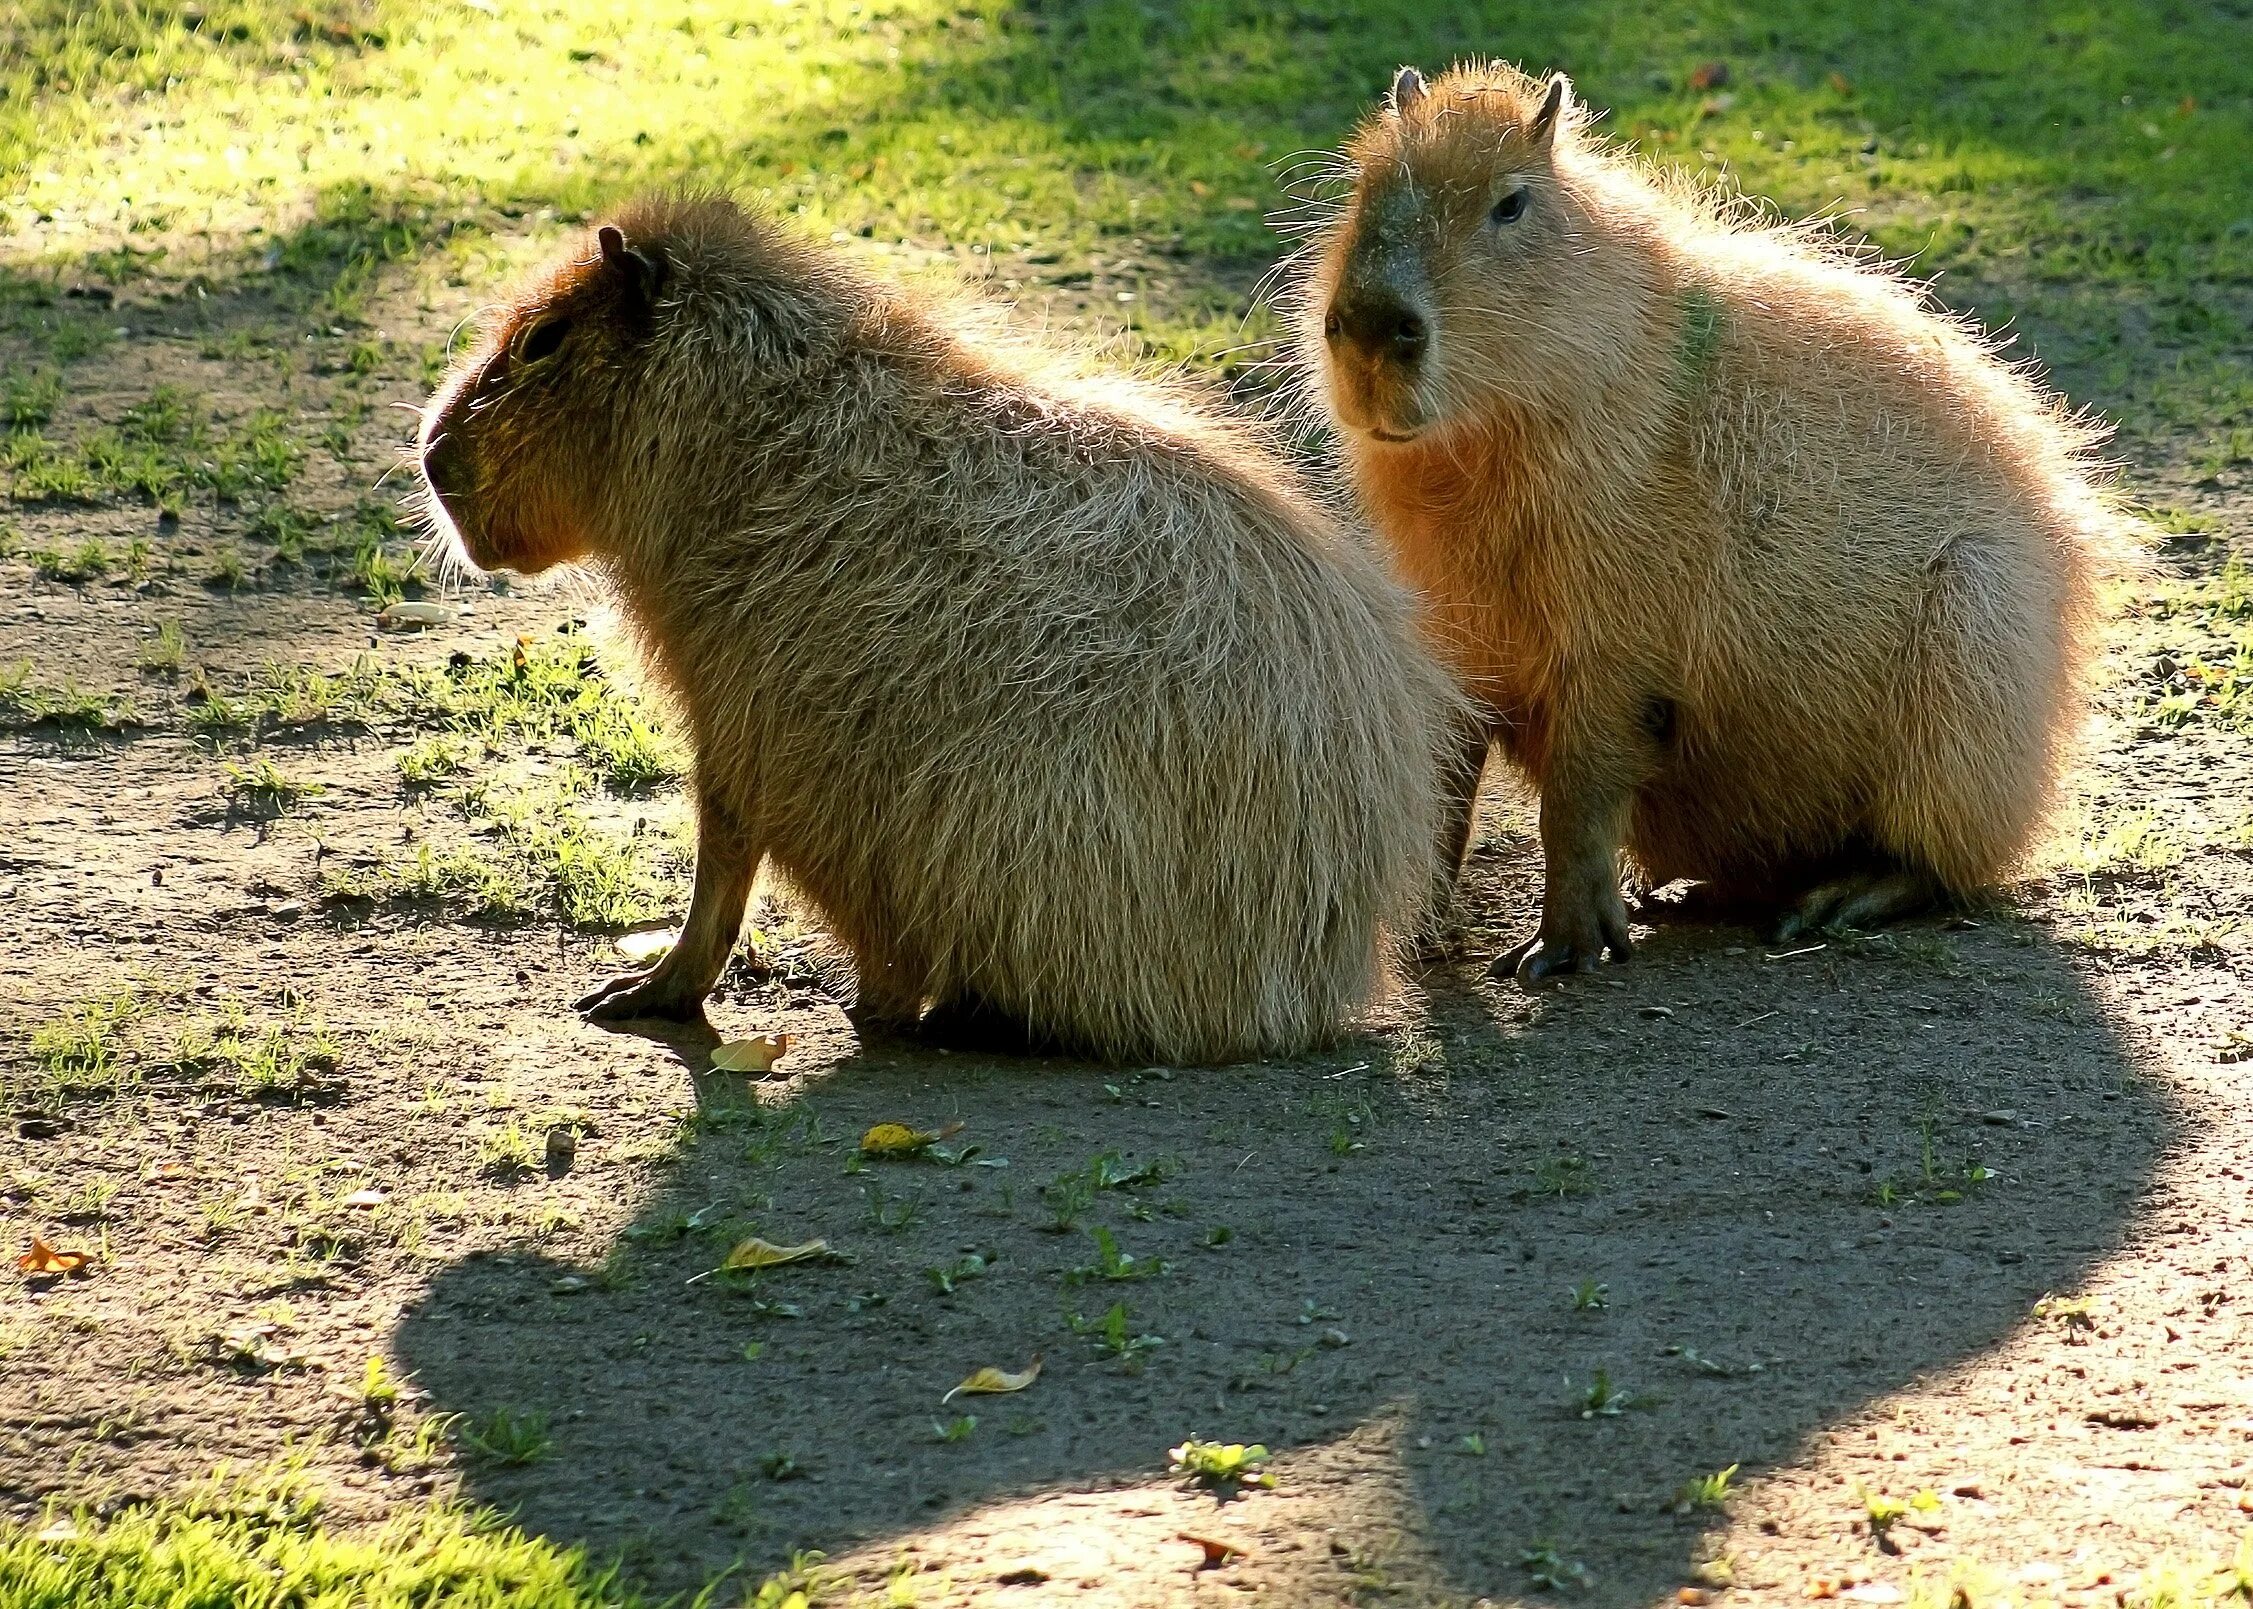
[586, 390]
[1445, 276]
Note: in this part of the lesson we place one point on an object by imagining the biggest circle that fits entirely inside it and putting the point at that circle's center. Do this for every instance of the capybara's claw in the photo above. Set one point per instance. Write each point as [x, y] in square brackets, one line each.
[1569, 947]
[640, 996]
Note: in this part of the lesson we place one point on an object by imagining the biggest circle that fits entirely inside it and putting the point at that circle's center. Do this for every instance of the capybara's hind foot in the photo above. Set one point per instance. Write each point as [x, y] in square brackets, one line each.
[652, 996]
[1864, 900]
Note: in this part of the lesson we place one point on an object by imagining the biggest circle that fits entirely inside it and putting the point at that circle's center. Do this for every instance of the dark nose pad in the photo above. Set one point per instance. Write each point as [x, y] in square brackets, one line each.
[1380, 326]
[445, 465]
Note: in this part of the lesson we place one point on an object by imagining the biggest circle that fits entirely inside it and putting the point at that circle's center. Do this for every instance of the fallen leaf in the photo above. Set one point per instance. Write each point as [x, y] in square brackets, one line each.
[757, 1054]
[1840, 84]
[1709, 75]
[991, 1382]
[1693, 1596]
[364, 1198]
[897, 1139]
[757, 1253]
[645, 946]
[1217, 1552]
[165, 1172]
[1873, 1592]
[44, 1259]
[416, 612]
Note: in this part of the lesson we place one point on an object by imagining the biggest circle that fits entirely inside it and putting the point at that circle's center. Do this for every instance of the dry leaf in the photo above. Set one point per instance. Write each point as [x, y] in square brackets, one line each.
[992, 1382]
[757, 1253]
[364, 1198]
[44, 1259]
[645, 946]
[1841, 84]
[1709, 75]
[758, 1054]
[416, 612]
[1217, 1552]
[897, 1139]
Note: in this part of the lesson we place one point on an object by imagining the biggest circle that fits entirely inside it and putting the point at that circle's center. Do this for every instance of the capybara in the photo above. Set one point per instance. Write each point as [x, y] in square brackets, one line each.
[1056, 696]
[1763, 569]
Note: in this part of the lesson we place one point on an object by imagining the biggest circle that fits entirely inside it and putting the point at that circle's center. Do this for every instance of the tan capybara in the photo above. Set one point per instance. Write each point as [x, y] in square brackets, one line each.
[1765, 571]
[1056, 696]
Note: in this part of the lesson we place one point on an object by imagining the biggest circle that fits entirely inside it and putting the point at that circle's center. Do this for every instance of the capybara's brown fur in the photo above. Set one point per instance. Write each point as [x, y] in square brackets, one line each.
[1766, 570]
[1057, 697]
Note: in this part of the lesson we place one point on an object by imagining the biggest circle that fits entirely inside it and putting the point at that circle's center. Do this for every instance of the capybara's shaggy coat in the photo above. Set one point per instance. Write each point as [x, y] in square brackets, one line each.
[1056, 697]
[1765, 570]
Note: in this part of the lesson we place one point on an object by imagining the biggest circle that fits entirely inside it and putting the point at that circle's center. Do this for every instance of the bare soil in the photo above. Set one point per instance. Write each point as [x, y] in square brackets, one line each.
[1811, 1201]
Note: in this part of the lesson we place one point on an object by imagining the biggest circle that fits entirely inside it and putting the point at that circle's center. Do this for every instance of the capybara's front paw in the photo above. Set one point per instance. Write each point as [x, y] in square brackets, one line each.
[642, 996]
[1573, 938]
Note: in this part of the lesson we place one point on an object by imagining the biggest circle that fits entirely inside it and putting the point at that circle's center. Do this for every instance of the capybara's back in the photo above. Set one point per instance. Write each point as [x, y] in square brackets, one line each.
[1057, 698]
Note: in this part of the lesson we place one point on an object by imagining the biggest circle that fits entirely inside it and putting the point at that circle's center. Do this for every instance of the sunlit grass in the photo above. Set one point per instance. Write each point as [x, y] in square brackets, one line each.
[337, 138]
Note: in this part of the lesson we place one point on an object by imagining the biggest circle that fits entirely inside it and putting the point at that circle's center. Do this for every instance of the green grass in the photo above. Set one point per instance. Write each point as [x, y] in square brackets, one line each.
[2062, 158]
[269, 1545]
[538, 853]
[24, 702]
[261, 788]
[86, 1051]
[164, 448]
[2208, 674]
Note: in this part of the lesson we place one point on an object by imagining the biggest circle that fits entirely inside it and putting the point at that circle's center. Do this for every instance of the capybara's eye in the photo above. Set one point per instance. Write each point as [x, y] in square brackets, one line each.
[542, 340]
[1331, 325]
[1510, 208]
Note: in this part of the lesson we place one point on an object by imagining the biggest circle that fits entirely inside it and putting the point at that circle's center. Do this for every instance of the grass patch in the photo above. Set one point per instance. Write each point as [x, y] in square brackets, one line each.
[268, 1545]
[164, 449]
[538, 853]
[24, 702]
[2208, 674]
[116, 1042]
[262, 789]
[2073, 160]
[84, 1053]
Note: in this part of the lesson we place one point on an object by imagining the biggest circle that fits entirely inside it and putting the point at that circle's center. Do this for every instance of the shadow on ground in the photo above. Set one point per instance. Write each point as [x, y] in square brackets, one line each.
[1770, 1168]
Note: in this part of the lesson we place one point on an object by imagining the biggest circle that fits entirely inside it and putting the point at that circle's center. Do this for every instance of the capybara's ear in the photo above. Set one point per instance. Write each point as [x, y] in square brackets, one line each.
[1542, 131]
[642, 272]
[1406, 93]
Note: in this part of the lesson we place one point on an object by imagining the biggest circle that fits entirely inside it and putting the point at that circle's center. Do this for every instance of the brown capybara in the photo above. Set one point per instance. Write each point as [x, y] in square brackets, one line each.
[1763, 570]
[1057, 697]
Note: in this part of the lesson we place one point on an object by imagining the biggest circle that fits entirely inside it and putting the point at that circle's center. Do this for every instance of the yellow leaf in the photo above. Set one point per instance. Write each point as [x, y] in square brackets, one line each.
[757, 1253]
[645, 946]
[897, 1139]
[44, 1259]
[990, 1381]
[758, 1054]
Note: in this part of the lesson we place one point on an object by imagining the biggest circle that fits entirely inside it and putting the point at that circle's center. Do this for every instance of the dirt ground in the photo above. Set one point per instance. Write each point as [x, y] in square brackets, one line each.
[1949, 1223]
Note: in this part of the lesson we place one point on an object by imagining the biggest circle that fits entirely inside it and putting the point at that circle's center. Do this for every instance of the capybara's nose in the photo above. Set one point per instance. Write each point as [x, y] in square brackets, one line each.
[1381, 326]
[445, 465]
